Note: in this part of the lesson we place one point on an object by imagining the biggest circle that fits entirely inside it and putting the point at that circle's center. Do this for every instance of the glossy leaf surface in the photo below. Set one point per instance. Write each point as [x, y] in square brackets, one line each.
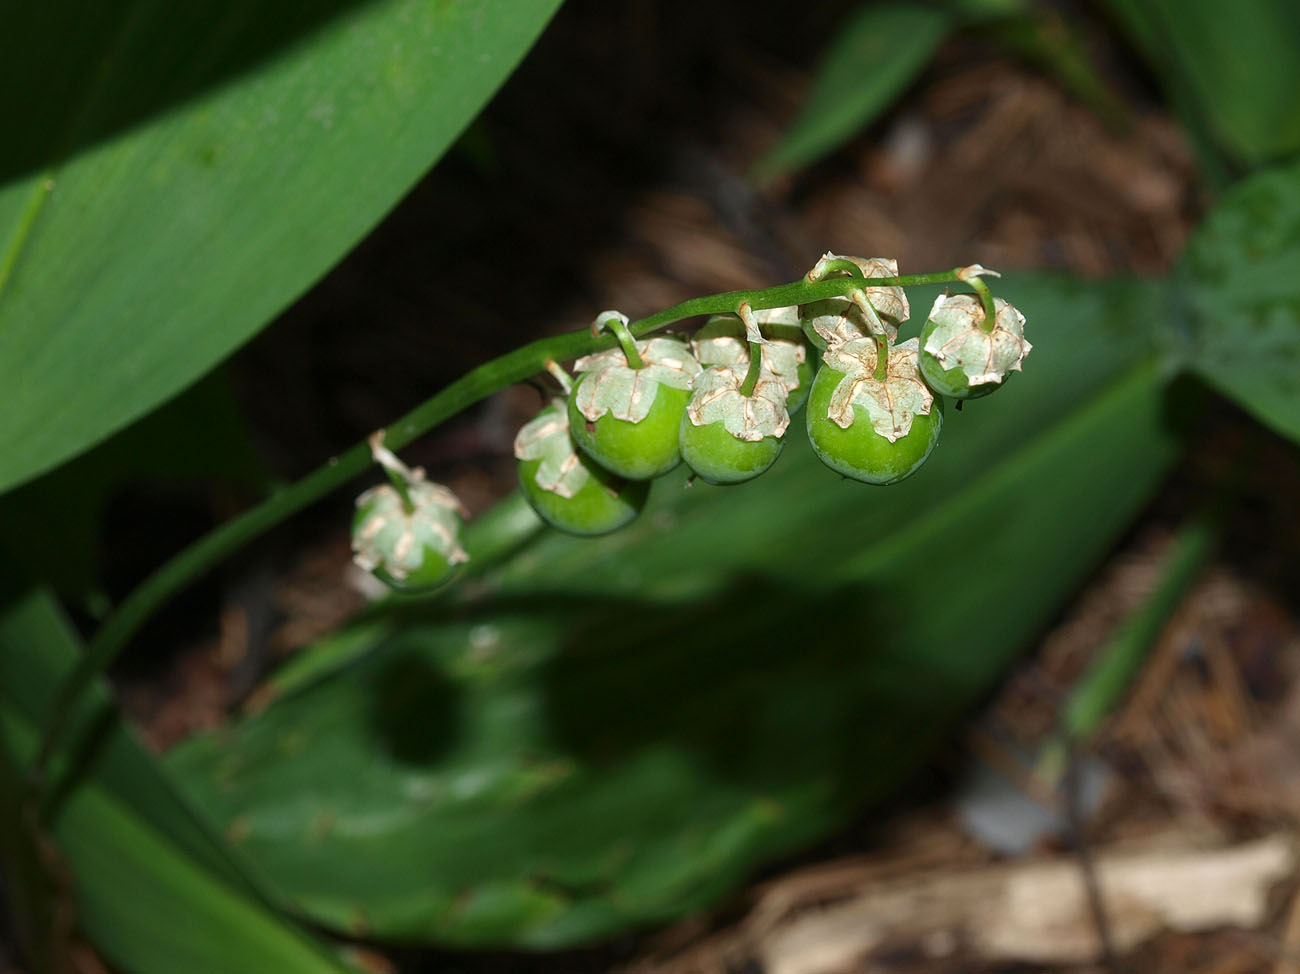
[187, 171]
[617, 731]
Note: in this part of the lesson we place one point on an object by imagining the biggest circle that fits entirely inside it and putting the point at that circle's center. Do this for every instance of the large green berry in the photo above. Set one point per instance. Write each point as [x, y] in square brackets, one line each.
[962, 360]
[411, 550]
[728, 437]
[836, 320]
[565, 488]
[787, 355]
[878, 432]
[627, 419]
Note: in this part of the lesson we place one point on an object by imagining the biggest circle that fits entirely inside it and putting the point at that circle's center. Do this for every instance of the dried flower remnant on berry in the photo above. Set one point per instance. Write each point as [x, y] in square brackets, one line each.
[836, 320]
[390, 538]
[891, 403]
[718, 399]
[627, 393]
[956, 340]
[721, 341]
[546, 438]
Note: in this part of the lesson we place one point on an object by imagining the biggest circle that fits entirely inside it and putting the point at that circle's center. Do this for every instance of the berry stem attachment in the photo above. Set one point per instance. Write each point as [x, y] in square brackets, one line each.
[399, 474]
[755, 367]
[755, 349]
[399, 485]
[617, 323]
[878, 332]
[560, 375]
[882, 358]
[973, 276]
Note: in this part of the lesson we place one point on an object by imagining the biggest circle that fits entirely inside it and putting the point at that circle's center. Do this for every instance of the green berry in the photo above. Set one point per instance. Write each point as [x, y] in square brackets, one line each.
[719, 458]
[411, 550]
[878, 432]
[638, 451]
[626, 419]
[728, 437]
[566, 489]
[962, 360]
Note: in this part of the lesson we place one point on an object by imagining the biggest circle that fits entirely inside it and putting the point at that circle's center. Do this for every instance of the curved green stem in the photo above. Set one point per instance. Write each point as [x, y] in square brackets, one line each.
[399, 485]
[755, 367]
[560, 374]
[201, 556]
[617, 323]
[878, 332]
[834, 265]
[986, 298]
[882, 357]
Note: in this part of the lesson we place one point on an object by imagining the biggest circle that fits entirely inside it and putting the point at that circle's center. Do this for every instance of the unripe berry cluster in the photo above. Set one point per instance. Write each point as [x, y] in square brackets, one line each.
[722, 402]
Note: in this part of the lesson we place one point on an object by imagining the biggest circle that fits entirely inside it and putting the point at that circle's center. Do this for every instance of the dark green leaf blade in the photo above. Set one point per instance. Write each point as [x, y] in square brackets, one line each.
[1240, 279]
[872, 57]
[153, 890]
[140, 249]
[617, 731]
[1232, 72]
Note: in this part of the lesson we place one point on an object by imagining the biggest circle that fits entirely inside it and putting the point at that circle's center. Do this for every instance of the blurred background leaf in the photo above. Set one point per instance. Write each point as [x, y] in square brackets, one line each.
[871, 58]
[185, 174]
[197, 443]
[1225, 70]
[1240, 278]
[615, 732]
[882, 48]
[154, 888]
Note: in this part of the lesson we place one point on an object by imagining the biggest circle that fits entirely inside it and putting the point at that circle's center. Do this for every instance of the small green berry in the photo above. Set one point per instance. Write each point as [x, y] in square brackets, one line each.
[878, 432]
[627, 419]
[411, 550]
[727, 437]
[566, 489]
[962, 360]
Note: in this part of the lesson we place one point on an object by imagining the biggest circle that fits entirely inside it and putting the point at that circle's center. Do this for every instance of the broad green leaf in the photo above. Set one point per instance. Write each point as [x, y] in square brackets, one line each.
[186, 172]
[612, 732]
[1240, 283]
[871, 58]
[154, 890]
[1232, 70]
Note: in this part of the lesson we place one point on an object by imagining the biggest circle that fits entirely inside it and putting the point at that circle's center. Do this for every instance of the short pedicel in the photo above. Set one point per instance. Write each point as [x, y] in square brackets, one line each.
[721, 341]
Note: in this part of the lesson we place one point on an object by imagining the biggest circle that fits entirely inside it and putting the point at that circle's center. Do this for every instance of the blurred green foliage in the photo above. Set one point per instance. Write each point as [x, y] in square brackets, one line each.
[872, 57]
[1239, 279]
[1231, 72]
